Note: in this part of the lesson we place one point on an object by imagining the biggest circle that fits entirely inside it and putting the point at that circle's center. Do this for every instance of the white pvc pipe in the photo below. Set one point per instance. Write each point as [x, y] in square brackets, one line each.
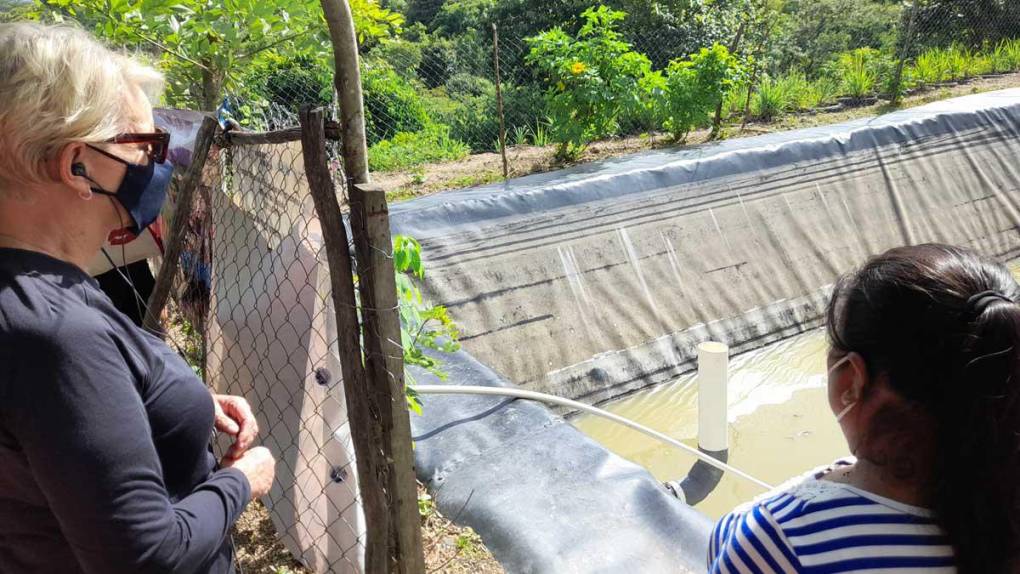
[552, 399]
[713, 425]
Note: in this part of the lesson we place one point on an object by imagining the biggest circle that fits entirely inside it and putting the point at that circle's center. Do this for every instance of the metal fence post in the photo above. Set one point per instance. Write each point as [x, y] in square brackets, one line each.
[365, 415]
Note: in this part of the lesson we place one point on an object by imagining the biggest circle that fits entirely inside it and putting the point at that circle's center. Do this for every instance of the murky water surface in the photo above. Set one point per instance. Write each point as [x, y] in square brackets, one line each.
[780, 422]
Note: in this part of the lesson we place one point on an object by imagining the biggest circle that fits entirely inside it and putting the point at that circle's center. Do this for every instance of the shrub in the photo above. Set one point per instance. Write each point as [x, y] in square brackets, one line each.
[824, 91]
[407, 149]
[859, 69]
[981, 64]
[1000, 58]
[694, 88]
[735, 100]
[646, 113]
[930, 67]
[471, 119]
[591, 78]
[1011, 49]
[798, 90]
[465, 85]
[770, 100]
[438, 61]
[301, 80]
[957, 62]
[403, 56]
[392, 104]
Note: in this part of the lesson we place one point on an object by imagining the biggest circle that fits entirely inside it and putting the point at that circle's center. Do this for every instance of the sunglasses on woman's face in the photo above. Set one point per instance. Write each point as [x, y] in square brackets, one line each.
[158, 143]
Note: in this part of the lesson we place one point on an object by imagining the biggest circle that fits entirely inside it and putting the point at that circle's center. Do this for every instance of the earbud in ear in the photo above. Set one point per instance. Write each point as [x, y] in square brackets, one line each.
[78, 169]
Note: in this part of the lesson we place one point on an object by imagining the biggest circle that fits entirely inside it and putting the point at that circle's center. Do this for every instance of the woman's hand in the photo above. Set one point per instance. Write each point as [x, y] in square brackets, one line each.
[234, 417]
[258, 466]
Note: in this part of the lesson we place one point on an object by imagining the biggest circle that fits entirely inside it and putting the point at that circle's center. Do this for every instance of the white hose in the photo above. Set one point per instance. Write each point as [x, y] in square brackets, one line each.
[552, 399]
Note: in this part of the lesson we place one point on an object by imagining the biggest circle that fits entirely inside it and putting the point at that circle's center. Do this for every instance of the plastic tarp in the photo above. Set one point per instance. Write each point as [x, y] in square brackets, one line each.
[272, 338]
[601, 279]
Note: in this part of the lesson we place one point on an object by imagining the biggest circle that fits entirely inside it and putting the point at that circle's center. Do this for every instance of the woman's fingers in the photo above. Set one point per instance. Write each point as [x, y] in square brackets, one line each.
[249, 427]
[222, 422]
[242, 420]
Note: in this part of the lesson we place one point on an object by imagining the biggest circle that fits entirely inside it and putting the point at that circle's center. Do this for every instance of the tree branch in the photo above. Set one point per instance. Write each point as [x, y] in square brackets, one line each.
[156, 43]
[272, 44]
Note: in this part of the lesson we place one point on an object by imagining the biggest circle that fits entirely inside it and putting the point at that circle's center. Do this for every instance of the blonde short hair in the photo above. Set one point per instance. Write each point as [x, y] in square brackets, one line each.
[59, 85]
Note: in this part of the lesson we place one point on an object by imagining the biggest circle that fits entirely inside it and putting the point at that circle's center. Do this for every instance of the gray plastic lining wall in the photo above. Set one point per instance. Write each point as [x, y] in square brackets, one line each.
[601, 279]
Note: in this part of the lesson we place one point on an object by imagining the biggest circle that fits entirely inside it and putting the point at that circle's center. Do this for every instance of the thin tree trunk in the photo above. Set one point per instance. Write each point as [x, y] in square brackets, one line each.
[348, 86]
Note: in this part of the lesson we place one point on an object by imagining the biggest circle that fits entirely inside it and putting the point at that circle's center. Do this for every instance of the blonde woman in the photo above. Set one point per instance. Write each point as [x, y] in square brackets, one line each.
[105, 463]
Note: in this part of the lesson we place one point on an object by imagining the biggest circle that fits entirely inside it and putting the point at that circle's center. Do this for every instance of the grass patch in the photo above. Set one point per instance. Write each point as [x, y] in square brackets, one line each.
[410, 149]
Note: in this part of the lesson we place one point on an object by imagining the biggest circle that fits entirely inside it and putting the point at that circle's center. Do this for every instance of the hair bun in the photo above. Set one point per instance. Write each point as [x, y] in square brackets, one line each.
[978, 302]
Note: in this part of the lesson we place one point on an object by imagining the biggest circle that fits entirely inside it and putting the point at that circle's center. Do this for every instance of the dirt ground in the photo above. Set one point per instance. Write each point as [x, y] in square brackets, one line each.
[485, 168]
[448, 548]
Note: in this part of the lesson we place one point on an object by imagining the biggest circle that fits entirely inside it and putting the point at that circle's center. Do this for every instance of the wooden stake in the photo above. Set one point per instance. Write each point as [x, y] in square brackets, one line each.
[365, 422]
[499, 101]
[384, 363]
[182, 210]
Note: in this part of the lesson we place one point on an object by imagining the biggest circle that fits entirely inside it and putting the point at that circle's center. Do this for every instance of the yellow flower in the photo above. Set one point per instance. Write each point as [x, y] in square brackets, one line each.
[577, 68]
[561, 86]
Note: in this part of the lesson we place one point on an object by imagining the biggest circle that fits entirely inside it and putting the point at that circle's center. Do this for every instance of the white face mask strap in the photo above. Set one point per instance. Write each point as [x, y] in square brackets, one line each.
[846, 409]
[836, 365]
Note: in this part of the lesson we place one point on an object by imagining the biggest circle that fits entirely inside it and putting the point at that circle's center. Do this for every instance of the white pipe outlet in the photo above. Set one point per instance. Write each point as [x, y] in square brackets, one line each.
[713, 375]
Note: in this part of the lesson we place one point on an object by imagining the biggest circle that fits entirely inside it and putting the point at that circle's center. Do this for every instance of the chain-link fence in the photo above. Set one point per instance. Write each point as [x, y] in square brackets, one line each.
[250, 306]
[272, 339]
[431, 90]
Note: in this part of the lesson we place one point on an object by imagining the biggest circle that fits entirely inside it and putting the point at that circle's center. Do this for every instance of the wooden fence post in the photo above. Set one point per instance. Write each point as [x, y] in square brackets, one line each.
[363, 413]
[175, 241]
[499, 101]
[384, 363]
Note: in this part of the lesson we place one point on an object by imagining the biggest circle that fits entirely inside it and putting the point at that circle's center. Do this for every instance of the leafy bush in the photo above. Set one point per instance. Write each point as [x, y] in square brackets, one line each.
[809, 32]
[392, 104]
[646, 114]
[302, 80]
[408, 149]
[422, 326]
[466, 85]
[1000, 58]
[958, 62]
[735, 100]
[400, 54]
[798, 90]
[591, 78]
[694, 88]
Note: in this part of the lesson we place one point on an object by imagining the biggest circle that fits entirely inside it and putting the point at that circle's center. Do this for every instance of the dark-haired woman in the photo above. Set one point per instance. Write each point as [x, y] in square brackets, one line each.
[924, 379]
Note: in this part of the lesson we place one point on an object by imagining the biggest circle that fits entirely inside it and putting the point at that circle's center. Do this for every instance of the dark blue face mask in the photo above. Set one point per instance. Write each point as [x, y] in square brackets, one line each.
[143, 191]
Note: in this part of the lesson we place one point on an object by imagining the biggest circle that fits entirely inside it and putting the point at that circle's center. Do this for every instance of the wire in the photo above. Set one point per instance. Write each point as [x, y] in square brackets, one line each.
[552, 399]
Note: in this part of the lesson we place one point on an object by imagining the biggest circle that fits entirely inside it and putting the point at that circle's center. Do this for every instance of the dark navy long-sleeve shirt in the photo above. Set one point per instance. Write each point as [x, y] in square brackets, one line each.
[105, 463]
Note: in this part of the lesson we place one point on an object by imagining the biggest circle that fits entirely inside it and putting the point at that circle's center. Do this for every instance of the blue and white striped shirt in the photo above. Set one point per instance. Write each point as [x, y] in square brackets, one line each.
[817, 525]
